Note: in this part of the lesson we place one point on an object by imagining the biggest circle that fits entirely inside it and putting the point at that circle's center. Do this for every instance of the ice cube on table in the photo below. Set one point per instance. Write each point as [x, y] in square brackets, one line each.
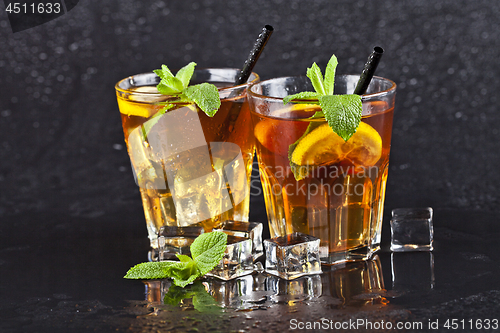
[412, 229]
[297, 290]
[237, 260]
[174, 240]
[252, 230]
[292, 256]
[239, 293]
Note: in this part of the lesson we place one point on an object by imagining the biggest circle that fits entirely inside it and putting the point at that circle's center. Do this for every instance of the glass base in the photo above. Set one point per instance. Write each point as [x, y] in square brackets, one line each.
[362, 253]
[411, 247]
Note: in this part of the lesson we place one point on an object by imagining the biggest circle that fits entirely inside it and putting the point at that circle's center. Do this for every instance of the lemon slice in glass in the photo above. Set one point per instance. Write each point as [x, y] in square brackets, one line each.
[141, 102]
[323, 146]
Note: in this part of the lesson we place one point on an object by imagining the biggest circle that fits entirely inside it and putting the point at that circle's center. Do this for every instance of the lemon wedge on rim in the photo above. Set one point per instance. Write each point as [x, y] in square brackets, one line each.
[323, 146]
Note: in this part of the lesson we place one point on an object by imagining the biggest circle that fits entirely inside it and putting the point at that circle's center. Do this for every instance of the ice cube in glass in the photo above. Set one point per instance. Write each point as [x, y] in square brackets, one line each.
[252, 230]
[292, 255]
[412, 229]
[237, 260]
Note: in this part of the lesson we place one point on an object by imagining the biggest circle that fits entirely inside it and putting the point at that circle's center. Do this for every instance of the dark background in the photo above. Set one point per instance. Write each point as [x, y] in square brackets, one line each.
[67, 194]
[60, 135]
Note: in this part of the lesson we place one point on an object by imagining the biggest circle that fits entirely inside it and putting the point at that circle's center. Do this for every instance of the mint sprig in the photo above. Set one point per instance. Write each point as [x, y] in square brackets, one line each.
[342, 112]
[149, 270]
[207, 251]
[204, 95]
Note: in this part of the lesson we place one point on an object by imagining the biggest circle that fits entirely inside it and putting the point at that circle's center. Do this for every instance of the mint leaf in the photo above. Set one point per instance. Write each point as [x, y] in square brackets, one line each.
[206, 96]
[208, 249]
[164, 72]
[343, 113]
[164, 89]
[308, 95]
[183, 273]
[172, 83]
[314, 73]
[185, 73]
[149, 270]
[330, 75]
[169, 84]
[183, 258]
[205, 242]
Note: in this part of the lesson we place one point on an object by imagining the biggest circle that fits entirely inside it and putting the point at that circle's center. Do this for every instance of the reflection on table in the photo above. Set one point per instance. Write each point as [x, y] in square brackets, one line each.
[353, 284]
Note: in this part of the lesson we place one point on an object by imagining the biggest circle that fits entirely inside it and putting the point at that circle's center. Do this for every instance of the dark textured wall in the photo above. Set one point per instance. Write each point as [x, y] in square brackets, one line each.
[61, 142]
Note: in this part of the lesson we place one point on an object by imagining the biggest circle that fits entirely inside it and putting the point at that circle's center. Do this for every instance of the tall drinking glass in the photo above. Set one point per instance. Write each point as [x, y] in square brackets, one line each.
[192, 169]
[340, 198]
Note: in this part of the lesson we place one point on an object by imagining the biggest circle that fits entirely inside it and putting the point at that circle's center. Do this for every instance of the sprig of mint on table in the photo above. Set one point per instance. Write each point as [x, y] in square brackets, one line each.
[204, 95]
[207, 251]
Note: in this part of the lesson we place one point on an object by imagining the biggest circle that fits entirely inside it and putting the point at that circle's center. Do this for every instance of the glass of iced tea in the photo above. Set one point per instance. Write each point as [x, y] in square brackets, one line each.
[192, 169]
[340, 199]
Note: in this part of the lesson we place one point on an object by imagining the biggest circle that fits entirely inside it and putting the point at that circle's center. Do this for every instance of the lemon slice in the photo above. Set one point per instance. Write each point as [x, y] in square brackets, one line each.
[141, 103]
[288, 111]
[150, 94]
[324, 146]
[364, 147]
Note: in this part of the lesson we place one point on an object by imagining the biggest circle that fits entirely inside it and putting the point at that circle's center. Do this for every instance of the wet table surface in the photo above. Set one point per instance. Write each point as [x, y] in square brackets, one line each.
[67, 274]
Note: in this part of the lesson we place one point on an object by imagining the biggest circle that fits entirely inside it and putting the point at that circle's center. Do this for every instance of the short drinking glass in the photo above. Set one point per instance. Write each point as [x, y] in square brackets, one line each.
[192, 169]
[340, 199]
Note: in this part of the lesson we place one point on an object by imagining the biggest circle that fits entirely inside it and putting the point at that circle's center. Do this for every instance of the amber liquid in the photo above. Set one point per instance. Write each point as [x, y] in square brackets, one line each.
[340, 202]
[231, 124]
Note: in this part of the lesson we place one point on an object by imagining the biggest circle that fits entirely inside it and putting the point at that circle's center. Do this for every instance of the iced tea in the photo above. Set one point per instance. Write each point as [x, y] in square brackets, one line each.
[192, 169]
[340, 197]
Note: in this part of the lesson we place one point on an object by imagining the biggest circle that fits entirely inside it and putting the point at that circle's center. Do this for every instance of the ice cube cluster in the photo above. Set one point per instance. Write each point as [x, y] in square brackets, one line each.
[244, 246]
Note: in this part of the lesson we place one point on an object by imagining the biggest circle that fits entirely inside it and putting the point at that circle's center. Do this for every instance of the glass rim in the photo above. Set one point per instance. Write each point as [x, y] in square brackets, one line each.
[247, 84]
[363, 97]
